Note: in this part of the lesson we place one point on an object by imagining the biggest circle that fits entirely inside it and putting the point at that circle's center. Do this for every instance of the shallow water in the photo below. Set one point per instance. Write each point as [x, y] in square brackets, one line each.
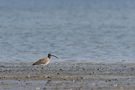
[73, 30]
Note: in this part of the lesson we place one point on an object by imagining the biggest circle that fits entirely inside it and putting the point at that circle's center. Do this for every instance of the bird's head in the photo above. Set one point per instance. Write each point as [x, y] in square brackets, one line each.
[49, 55]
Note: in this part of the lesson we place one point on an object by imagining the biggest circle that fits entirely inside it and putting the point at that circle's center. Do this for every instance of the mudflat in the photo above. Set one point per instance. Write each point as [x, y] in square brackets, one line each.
[67, 76]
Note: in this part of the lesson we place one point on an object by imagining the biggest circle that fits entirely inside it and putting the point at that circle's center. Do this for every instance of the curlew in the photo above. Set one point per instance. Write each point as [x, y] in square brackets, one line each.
[45, 60]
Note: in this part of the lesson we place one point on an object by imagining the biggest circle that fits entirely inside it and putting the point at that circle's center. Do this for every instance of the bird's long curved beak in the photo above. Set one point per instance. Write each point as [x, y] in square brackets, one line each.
[54, 56]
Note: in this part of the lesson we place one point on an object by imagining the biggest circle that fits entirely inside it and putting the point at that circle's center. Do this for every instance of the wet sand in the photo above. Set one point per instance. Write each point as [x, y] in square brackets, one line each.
[67, 76]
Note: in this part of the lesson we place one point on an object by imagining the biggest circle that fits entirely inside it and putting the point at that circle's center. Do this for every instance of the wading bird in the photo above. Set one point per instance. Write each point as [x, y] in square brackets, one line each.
[44, 61]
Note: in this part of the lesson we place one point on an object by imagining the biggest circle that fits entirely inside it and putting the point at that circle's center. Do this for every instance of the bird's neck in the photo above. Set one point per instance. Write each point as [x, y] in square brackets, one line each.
[49, 57]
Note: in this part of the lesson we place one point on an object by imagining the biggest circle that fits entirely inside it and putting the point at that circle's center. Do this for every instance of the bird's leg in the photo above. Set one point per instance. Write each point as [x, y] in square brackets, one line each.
[48, 67]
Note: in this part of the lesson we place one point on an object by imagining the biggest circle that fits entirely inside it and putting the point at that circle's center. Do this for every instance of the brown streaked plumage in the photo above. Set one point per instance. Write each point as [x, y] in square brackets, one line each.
[44, 61]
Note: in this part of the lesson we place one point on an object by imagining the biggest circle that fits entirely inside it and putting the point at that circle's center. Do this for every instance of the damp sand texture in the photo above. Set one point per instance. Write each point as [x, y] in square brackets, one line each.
[67, 76]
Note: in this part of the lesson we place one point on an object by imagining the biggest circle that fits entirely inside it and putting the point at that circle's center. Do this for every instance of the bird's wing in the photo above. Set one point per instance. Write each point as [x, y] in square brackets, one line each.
[40, 61]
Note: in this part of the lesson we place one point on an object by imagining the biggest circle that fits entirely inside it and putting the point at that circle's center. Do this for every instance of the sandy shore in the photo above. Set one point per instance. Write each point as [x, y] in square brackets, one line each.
[67, 76]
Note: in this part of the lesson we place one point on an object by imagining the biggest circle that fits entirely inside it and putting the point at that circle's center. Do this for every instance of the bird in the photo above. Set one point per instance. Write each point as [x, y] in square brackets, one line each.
[45, 60]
